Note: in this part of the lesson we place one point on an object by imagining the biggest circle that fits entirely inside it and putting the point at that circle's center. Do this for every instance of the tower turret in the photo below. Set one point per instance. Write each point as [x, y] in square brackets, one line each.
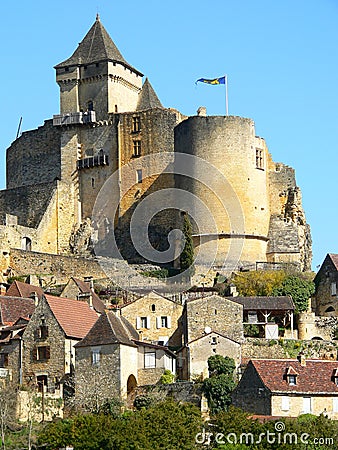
[97, 77]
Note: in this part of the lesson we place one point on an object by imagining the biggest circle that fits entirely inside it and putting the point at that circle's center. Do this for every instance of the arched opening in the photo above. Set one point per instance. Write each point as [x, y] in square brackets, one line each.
[316, 338]
[329, 309]
[26, 244]
[131, 384]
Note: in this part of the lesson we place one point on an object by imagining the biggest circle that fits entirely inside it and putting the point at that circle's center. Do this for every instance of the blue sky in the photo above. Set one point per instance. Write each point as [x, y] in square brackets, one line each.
[280, 57]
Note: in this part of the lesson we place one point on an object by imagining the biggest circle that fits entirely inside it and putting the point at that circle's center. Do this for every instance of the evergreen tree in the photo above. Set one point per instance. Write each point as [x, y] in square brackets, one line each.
[187, 255]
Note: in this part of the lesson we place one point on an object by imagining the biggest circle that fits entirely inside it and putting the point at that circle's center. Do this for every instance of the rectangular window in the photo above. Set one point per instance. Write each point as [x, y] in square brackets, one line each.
[3, 360]
[136, 124]
[43, 353]
[150, 360]
[42, 382]
[292, 380]
[96, 357]
[41, 332]
[164, 322]
[307, 405]
[136, 148]
[285, 403]
[335, 404]
[333, 288]
[139, 176]
[259, 159]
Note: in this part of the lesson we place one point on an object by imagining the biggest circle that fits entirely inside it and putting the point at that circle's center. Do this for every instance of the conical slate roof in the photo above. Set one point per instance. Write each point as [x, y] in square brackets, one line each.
[96, 46]
[148, 98]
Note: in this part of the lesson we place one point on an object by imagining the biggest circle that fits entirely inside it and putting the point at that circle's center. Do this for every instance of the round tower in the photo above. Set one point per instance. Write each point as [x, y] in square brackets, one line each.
[229, 144]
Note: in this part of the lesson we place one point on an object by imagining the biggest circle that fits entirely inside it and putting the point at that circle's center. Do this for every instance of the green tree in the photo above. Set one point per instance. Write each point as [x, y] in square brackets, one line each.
[221, 383]
[167, 377]
[299, 288]
[187, 255]
[258, 282]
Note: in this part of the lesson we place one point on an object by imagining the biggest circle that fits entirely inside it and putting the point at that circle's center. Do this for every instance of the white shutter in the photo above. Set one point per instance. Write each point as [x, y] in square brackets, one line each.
[335, 404]
[306, 405]
[148, 322]
[285, 403]
[333, 289]
[138, 323]
[169, 322]
[158, 322]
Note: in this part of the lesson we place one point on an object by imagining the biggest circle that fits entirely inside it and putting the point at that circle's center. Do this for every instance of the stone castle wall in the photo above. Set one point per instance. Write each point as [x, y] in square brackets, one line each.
[34, 157]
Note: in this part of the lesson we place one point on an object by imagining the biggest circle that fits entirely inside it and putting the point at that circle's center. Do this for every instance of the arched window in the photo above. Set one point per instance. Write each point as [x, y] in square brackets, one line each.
[26, 244]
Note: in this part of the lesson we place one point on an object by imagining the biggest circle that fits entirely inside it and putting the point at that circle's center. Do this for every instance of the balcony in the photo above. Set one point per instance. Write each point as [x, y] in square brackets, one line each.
[74, 118]
[93, 161]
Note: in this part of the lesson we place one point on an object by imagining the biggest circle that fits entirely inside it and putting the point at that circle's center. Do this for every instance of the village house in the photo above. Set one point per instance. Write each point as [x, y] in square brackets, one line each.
[288, 387]
[156, 319]
[326, 281]
[56, 325]
[83, 290]
[209, 325]
[111, 361]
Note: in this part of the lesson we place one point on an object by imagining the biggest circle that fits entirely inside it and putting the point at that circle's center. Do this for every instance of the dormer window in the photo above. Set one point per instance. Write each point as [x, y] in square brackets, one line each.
[291, 376]
[292, 380]
[335, 377]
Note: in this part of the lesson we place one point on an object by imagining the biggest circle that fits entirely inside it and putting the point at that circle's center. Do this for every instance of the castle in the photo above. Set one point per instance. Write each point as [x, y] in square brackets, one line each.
[109, 120]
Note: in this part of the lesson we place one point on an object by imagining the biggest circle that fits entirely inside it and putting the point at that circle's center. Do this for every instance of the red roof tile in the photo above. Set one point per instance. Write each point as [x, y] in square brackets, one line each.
[315, 377]
[20, 289]
[334, 259]
[12, 308]
[75, 317]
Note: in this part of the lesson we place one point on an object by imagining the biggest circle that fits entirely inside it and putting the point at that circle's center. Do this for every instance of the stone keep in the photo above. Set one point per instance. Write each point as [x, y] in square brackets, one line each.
[108, 119]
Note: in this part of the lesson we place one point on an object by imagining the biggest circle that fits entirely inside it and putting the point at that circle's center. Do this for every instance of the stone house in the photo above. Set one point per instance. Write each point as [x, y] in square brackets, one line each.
[10, 353]
[288, 387]
[56, 325]
[212, 313]
[111, 361]
[192, 359]
[326, 281]
[156, 318]
[209, 325]
[83, 290]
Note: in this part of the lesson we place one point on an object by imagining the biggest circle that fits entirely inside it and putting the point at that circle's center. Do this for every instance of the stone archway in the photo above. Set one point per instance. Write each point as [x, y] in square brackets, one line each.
[131, 384]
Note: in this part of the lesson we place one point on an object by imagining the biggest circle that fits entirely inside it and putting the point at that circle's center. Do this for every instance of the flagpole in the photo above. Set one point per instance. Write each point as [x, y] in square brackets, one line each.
[226, 96]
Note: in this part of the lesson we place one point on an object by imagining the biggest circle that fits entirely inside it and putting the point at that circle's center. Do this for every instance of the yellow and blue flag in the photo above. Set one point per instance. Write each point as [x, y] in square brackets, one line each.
[220, 80]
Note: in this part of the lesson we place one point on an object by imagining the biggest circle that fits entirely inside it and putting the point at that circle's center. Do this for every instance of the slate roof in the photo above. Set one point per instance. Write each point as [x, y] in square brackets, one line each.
[96, 46]
[84, 288]
[314, 378]
[148, 98]
[12, 308]
[20, 289]
[109, 329]
[75, 317]
[282, 303]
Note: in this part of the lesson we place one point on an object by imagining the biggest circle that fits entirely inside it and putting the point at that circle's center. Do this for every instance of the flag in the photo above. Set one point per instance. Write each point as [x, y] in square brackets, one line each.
[220, 80]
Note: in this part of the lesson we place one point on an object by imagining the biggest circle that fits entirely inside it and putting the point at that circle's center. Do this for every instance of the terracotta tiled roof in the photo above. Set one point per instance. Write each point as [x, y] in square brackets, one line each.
[109, 329]
[315, 377]
[12, 308]
[84, 288]
[282, 303]
[75, 317]
[334, 259]
[20, 289]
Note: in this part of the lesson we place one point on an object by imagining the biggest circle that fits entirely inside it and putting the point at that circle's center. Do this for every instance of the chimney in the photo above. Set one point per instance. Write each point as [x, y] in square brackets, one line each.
[301, 359]
[202, 111]
[35, 297]
[3, 289]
